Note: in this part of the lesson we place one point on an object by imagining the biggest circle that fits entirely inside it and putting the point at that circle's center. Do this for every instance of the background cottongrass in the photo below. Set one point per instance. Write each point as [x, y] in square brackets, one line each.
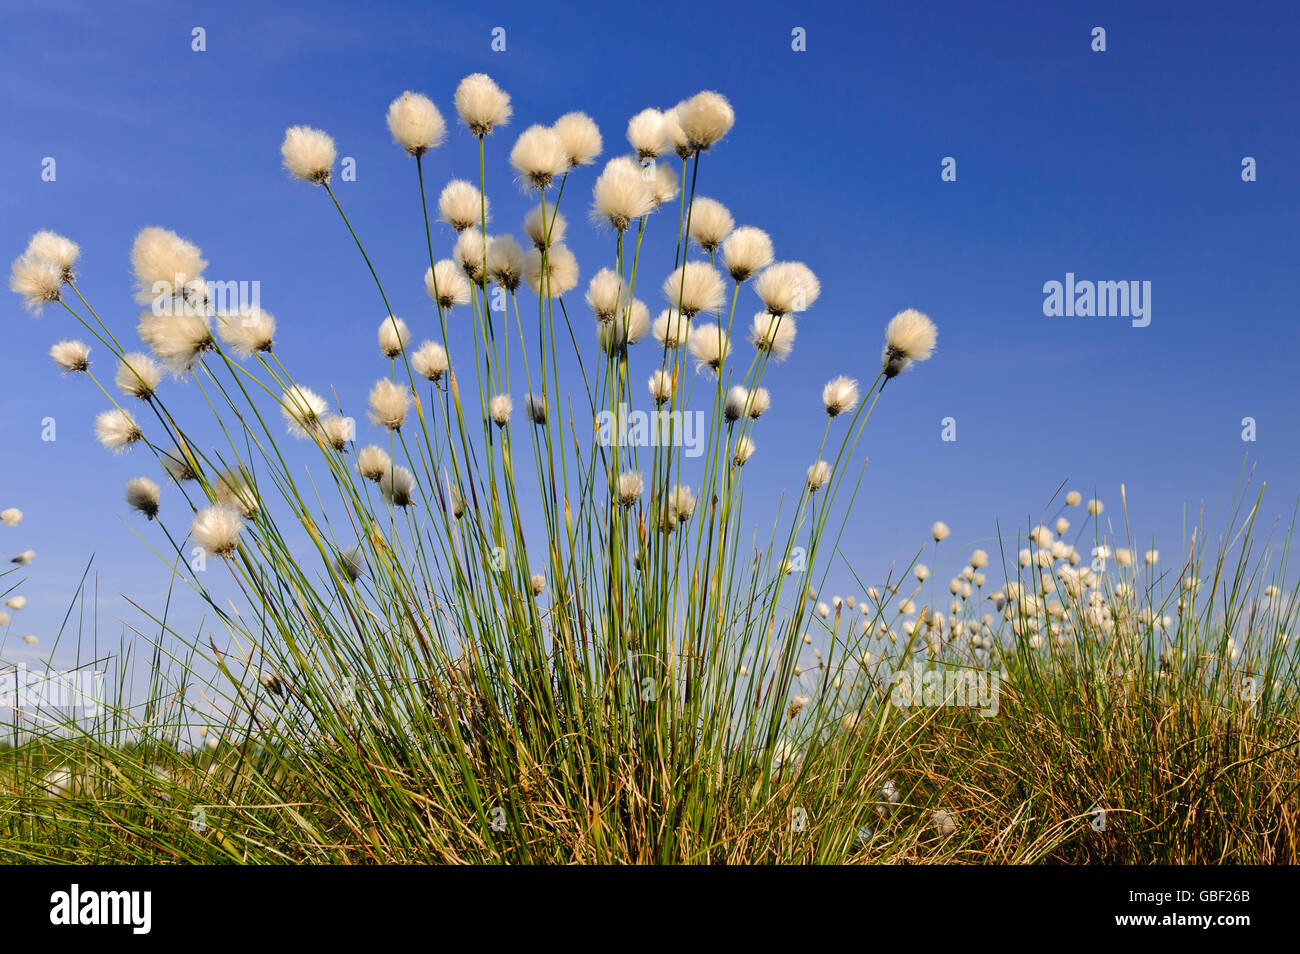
[513, 642]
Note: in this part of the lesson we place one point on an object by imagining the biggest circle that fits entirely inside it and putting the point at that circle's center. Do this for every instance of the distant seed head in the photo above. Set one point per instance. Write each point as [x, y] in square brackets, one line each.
[709, 346]
[117, 430]
[580, 138]
[537, 584]
[308, 154]
[544, 226]
[137, 375]
[605, 294]
[1095, 507]
[505, 262]
[693, 288]
[787, 287]
[337, 430]
[37, 279]
[818, 474]
[539, 156]
[746, 252]
[165, 264]
[217, 530]
[462, 205]
[1073, 498]
[535, 408]
[743, 452]
[447, 284]
[629, 487]
[178, 335]
[430, 361]
[661, 386]
[840, 395]
[397, 484]
[560, 275]
[59, 250]
[248, 331]
[939, 531]
[180, 463]
[759, 401]
[773, 333]
[645, 132]
[389, 404]
[499, 409]
[394, 336]
[373, 462]
[704, 119]
[671, 329]
[736, 404]
[470, 253]
[621, 194]
[142, 494]
[302, 409]
[710, 223]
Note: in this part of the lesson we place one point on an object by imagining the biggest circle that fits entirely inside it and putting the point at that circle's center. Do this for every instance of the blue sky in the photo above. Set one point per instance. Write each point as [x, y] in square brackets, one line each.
[1122, 165]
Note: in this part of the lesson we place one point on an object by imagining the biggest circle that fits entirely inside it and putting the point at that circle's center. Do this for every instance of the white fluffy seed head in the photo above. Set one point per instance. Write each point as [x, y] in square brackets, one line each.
[71, 355]
[142, 494]
[736, 403]
[645, 132]
[580, 137]
[535, 407]
[839, 395]
[605, 295]
[394, 336]
[137, 375]
[1095, 507]
[744, 450]
[117, 430]
[415, 123]
[628, 327]
[682, 502]
[539, 156]
[482, 104]
[61, 251]
[621, 194]
[560, 275]
[910, 336]
[787, 288]
[236, 489]
[499, 409]
[773, 333]
[302, 409]
[180, 463]
[704, 119]
[760, 399]
[693, 288]
[545, 226]
[537, 584]
[1073, 498]
[11, 516]
[164, 264]
[461, 204]
[709, 346]
[710, 223]
[217, 529]
[746, 252]
[818, 474]
[389, 404]
[664, 184]
[247, 331]
[177, 335]
[661, 386]
[397, 484]
[939, 531]
[470, 252]
[628, 488]
[430, 361]
[337, 430]
[373, 462]
[37, 279]
[505, 262]
[671, 328]
[308, 154]
[447, 284]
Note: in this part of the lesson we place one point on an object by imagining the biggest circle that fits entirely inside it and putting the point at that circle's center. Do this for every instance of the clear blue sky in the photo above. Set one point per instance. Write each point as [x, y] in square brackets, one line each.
[1122, 165]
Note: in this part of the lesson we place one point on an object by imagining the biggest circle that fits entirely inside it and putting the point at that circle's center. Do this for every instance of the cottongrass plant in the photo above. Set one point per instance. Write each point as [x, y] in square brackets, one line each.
[512, 641]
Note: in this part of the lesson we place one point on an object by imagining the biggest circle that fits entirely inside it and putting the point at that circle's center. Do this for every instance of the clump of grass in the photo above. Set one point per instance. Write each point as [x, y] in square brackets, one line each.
[487, 636]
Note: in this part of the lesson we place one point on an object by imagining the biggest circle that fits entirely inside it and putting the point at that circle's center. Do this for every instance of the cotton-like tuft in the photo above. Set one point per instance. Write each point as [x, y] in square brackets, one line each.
[735, 404]
[236, 489]
[580, 137]
[939, 531]
[17, 603]
[539, 156]
[535, 408]
[645, 132]
[165, 264]
[664, 184]
[709, 346]
[605, 295]
[25, 558]
[117, 430]
[693, 288]
[674, 135]
[394, 336]
[447, 284]
[11, 516]
[671, 329]
[61, 251]
[142, 494]
[461, 205]
[839, 395]
[302, 409]
[773, 333]
[415, 123]
[683, 502]
[711, 223]
[621, 194]
[482, 104]
[308, 154]
[561, 273]
[787, 287]
[818, 474]
[545, 226]
[180, 463]
[910, 336]
[661, 386]
[337, 430]
[629, 327]
[537, 584]
[178, 335]
[37, 279]
[398, 486]
[430, 361]
[505, 262]
[71, 356]
[743, 451]
[499, 408]
[746, 252]
[137, 375]
[704, 119]
[248, 331]
[389, 404]
[373, 462]
[760, 399]
[628, 488]
[217, 530]
[470, 252]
